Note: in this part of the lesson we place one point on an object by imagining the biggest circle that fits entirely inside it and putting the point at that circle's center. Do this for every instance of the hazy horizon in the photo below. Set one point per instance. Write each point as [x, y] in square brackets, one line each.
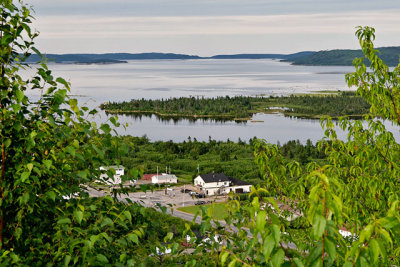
[210, 27]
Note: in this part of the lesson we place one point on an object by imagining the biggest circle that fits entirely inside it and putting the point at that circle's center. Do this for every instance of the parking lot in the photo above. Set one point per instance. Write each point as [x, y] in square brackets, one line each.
[172, 196]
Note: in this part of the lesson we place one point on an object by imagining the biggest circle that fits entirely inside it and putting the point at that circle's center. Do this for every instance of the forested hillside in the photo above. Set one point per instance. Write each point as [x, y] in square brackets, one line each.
[345, 57]
[234, 159]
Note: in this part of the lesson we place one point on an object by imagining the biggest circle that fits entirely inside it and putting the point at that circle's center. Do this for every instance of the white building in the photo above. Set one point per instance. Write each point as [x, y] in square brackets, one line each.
[164, 178]
[218, 184]
[119, 171]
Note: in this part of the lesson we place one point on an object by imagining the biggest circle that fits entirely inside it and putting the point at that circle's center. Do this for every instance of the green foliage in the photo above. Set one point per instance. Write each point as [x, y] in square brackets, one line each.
[243, 107]
[316, 106]
[233, 159]
[356, 189]
[229, 107]
[50, 152]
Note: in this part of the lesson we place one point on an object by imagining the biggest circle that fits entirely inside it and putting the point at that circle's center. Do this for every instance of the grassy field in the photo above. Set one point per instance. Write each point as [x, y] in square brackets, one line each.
[219, 211]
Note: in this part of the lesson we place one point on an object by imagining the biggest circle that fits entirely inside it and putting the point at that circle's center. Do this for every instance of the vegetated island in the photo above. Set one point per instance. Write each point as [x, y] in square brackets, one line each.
[310, 106]
[107, 58]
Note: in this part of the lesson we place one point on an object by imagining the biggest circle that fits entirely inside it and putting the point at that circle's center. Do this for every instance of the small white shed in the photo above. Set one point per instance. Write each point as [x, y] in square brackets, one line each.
[119, 171]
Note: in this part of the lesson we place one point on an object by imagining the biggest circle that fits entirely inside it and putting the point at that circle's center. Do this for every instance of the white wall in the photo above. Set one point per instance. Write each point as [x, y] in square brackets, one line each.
[117, 175]
[164, 179]
[246, 188]
[199, 181]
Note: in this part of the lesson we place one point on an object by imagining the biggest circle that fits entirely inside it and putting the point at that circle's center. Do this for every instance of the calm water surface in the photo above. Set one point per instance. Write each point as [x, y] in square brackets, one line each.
[154, 79]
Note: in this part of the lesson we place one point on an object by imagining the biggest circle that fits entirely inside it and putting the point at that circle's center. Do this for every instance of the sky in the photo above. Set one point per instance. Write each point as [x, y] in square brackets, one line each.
[210, 27]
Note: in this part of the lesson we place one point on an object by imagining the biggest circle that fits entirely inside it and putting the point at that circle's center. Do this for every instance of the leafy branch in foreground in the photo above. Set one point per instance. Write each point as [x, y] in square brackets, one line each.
[49, 153]
[351, 204]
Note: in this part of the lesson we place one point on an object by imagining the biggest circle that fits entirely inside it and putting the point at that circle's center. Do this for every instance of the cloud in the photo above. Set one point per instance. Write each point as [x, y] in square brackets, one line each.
[84, 26]
[206, 35]
[204, 7]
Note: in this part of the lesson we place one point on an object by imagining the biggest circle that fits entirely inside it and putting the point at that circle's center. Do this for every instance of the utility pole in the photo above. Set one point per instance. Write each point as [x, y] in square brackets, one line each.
[158, 180]
[183, 196]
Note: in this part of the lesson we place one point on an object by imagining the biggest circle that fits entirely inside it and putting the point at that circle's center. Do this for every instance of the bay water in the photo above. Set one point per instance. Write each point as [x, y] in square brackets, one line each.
[156, 79]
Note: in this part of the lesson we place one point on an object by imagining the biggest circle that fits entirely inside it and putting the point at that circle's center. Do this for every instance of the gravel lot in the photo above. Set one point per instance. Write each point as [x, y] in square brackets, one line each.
[173, 196]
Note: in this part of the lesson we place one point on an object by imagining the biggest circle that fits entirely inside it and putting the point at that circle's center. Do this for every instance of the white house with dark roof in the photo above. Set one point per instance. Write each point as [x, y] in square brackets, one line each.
[219, 184]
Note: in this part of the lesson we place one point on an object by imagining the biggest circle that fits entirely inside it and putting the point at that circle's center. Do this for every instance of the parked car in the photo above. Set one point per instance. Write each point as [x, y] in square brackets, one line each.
[200, 195]
[200, 202]
[185, 190]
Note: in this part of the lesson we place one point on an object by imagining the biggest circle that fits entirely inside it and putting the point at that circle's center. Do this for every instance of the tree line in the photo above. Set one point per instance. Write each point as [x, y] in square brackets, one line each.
[235, 159]
[243, 107]
[186, 106]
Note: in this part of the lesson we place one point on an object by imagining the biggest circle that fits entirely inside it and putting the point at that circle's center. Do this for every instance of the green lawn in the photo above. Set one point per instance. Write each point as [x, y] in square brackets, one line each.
[219, 210]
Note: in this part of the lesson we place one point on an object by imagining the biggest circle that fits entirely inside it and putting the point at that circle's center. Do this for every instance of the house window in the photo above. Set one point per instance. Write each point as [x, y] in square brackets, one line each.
[207, 192]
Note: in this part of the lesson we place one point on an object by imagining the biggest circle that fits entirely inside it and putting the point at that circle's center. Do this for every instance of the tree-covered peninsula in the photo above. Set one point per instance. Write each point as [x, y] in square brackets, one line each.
[243, 107]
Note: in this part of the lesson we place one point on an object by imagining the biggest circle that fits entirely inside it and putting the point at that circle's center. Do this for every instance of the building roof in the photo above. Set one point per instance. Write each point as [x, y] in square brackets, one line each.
[148, 176]
[238, 182]
[113, 167]
[214, 177]
[220, 177]
[165, 176]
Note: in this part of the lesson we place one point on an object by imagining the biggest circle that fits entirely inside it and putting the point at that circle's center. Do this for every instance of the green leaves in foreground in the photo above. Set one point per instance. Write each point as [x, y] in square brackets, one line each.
[348, 207]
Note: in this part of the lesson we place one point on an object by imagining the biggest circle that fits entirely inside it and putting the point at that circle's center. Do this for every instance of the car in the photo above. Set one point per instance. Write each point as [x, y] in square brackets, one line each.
[200, 202]
[186, 191]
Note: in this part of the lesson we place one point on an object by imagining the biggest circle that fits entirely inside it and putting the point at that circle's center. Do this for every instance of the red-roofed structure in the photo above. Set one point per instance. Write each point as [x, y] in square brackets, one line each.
[147, 177]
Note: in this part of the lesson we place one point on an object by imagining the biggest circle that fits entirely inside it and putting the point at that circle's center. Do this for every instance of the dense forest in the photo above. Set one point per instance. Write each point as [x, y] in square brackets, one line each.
[229, 107]
[243, 107]
[235, 159]
[315, 106]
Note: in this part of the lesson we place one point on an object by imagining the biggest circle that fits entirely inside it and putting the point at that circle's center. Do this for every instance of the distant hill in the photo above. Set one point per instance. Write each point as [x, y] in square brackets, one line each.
[344, 57]
[338, 57]
[249, 56]
[108, 58]
[264, 56]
